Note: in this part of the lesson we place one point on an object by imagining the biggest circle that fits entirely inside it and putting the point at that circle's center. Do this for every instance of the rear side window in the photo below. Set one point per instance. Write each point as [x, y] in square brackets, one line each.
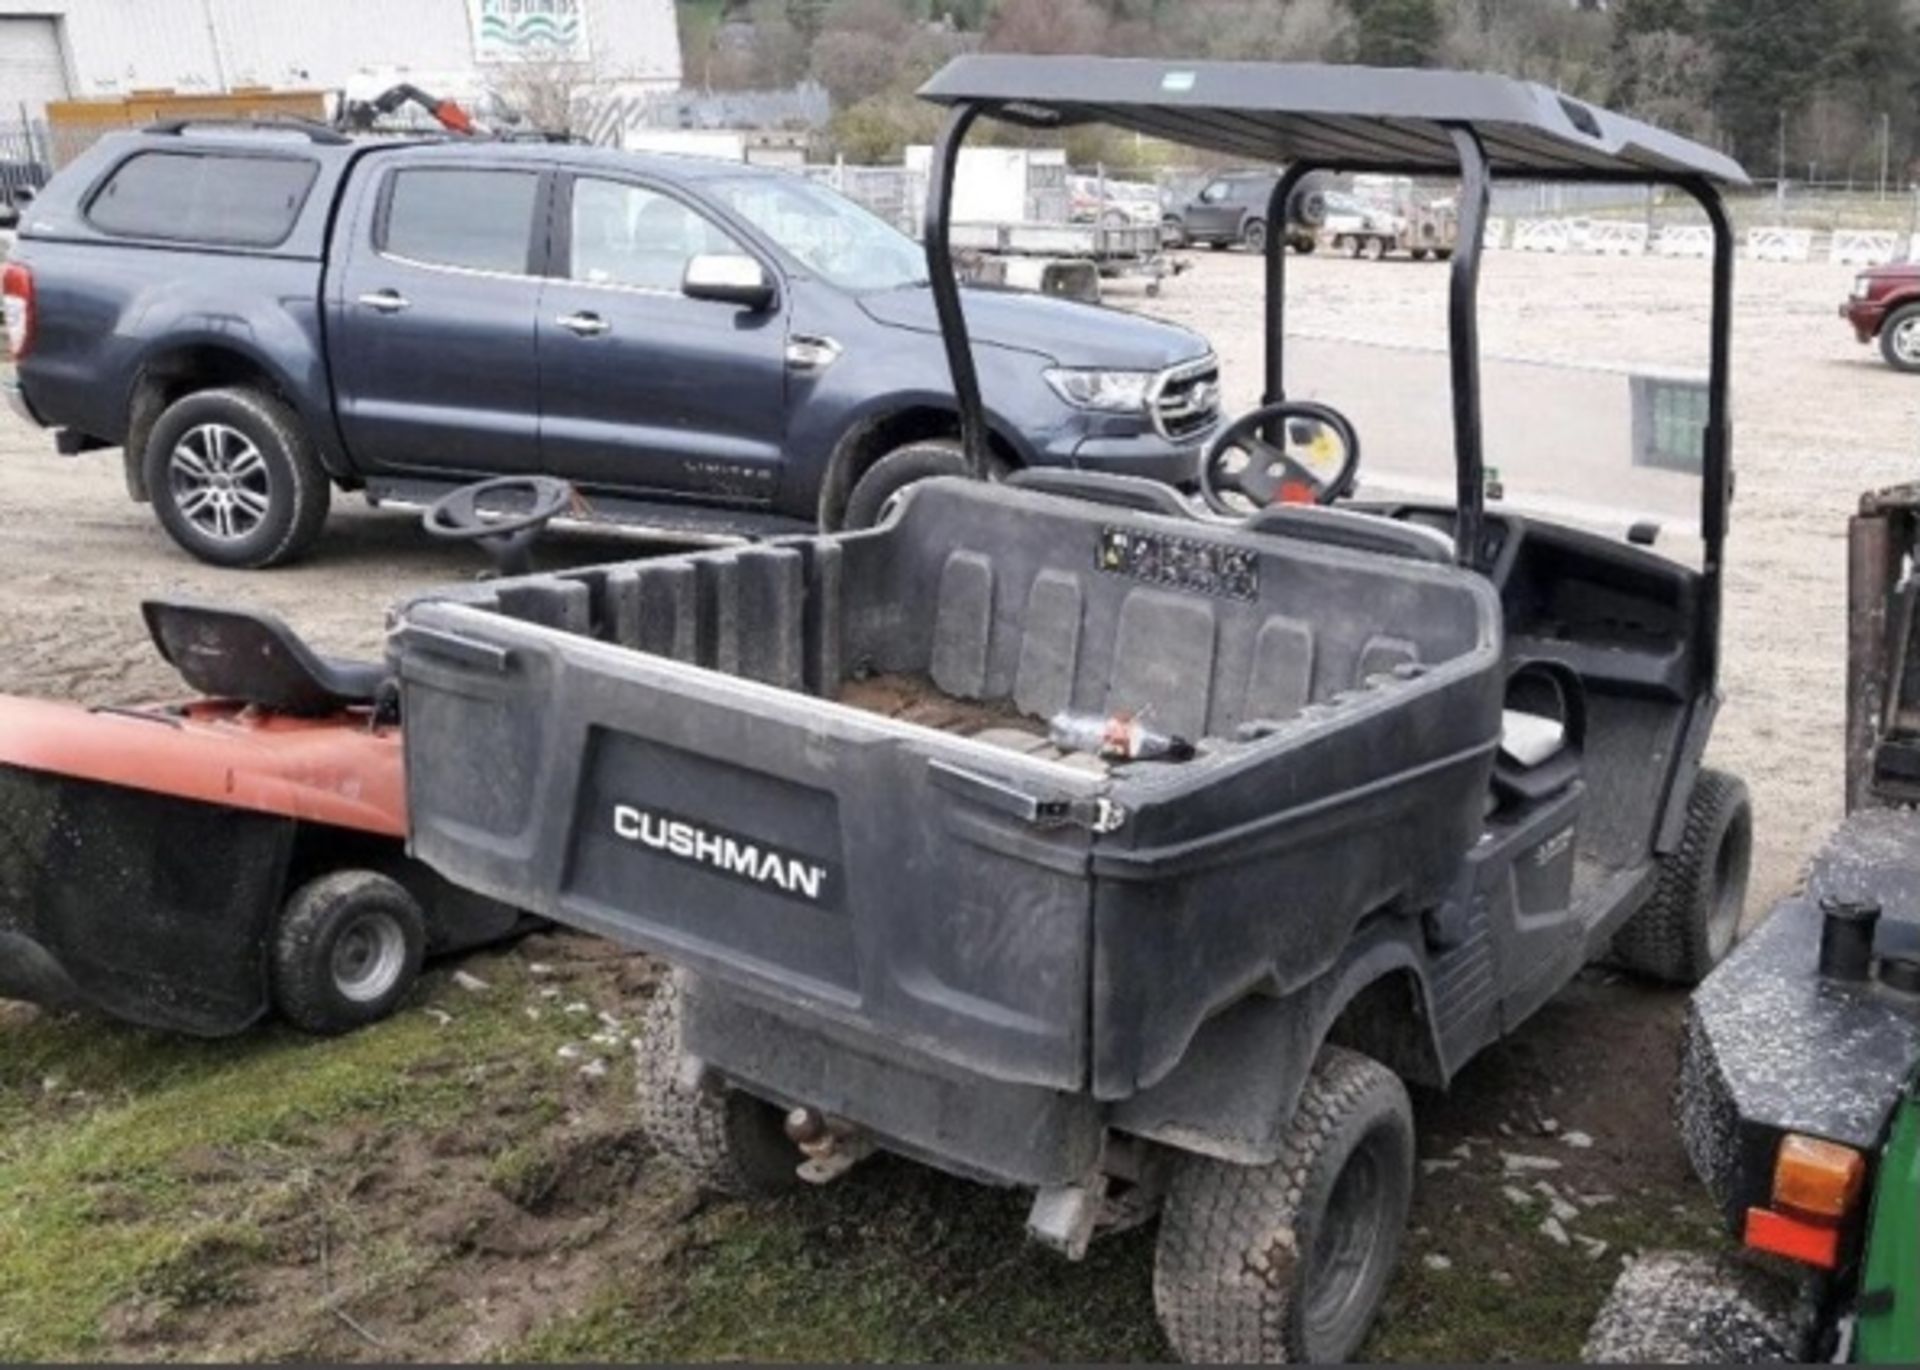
[476, 219]
[196, 197]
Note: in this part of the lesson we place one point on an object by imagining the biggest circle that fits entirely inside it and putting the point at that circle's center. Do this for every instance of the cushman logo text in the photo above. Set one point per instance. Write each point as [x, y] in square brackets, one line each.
[738, 857]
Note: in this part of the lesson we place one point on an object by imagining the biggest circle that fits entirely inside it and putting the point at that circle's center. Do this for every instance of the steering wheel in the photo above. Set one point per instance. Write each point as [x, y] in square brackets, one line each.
[1314, 463]
[509, 536]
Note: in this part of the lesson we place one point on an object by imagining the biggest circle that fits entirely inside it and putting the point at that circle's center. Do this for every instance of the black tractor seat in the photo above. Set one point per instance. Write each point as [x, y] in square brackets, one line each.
[253, 657]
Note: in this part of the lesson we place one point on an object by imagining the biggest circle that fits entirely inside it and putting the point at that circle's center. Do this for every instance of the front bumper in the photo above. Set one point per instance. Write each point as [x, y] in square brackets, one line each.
[1148, 456]
[1866, 316]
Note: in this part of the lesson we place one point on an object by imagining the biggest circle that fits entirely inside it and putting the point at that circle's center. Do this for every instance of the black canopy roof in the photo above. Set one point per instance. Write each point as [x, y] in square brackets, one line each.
[1352, 118]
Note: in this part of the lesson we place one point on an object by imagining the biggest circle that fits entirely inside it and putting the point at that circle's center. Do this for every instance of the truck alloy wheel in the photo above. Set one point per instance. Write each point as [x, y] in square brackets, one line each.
[1288, 1262]
[1900, 339]
[346, 950]
[233, 478]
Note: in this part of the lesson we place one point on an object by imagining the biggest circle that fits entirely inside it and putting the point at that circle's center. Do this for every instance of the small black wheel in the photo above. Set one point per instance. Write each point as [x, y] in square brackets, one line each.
[234, 479]
[1255, 235]
[1900, 338]
[1680, 1308]
[874, 493]
[1693, 917]
[1420, 254]
[726, 1141]
[1288, 1262]
[345, 952]
[1215, 245]
[1306, 244]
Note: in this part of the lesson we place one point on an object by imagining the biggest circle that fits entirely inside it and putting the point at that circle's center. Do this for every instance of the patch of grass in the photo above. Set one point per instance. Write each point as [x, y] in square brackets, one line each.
[106, 1193]
[1541, 1310]
[894, 1263]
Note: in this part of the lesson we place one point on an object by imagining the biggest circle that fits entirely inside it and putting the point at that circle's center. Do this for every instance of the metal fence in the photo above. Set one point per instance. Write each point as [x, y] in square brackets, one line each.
[25, 157]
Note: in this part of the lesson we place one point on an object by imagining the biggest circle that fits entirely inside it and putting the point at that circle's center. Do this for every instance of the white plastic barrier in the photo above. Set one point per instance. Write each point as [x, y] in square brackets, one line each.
[1609, 238]
[1684, 240]
[1541, 235]
[1856, 248]
[1496, 233]
[1780, 244]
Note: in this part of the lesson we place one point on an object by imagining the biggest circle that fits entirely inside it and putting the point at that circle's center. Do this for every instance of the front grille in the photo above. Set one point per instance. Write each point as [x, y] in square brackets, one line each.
[1186, 402]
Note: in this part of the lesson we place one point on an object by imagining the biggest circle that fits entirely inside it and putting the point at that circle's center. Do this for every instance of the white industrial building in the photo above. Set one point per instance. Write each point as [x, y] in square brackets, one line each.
[59, 49]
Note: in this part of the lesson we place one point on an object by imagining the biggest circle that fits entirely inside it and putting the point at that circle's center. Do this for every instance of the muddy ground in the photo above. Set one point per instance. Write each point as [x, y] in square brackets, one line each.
[460, 1189]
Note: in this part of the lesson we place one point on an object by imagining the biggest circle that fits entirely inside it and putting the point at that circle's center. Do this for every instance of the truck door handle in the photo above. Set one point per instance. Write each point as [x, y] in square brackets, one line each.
[386, 301]
[584, 325]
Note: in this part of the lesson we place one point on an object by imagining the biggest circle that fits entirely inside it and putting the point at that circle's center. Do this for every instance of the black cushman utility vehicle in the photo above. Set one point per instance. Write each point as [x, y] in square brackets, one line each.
[1443, 755]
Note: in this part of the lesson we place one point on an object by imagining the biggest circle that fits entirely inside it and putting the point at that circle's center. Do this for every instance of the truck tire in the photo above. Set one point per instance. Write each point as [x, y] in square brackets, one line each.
[1693, 918]
[1254, 236]
[234, 479]
[1900, 338]
[725, 1141]
[1288, 1262]
[1678, 1308]
[1376, 249]
[346, 950]
[873, 493]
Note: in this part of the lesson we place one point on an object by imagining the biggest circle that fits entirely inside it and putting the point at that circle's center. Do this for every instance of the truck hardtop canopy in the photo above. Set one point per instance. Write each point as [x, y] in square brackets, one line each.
[1463, 125]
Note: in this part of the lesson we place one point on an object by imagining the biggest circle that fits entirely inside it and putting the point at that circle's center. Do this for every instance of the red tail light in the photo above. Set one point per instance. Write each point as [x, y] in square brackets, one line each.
[16, 307]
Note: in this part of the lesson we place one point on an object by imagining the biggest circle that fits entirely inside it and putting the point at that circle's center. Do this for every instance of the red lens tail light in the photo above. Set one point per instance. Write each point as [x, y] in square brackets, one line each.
[16, 307]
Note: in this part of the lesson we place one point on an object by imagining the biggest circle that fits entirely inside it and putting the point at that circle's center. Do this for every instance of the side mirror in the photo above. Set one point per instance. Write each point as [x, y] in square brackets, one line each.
[729, 279]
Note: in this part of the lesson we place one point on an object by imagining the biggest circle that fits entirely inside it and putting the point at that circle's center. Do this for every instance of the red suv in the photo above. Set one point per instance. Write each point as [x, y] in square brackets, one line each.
[1885, 304]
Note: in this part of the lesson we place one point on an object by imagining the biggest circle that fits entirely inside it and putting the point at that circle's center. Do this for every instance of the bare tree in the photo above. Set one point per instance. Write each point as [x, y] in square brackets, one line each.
[541, 91]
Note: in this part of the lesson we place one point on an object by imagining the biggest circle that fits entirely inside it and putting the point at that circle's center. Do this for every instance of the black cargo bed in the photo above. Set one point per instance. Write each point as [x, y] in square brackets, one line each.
[653, 751]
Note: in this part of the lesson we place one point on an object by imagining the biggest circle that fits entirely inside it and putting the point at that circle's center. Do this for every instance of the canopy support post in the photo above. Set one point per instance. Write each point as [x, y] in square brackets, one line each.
[1463, 331]
[1276, 303]
[1717, 479]
[946, 288]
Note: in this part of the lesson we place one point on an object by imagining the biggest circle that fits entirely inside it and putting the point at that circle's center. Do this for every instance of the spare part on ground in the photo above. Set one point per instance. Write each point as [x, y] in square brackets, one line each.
[504, 517]
[197, 866]
[1799, 1098]
[1442, 756]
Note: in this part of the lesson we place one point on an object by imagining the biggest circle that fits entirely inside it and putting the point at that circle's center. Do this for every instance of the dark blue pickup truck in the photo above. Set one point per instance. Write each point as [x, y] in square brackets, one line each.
[261, 315]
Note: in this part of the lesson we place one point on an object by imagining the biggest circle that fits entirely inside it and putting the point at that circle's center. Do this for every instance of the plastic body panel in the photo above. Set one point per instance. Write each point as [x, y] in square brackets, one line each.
[641, 751]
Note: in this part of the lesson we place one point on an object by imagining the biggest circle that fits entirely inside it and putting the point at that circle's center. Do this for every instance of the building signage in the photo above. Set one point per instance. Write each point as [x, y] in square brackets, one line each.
[529, 30]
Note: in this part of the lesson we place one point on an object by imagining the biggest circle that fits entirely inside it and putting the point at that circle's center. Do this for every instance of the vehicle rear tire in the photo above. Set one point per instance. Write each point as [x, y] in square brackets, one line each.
[1679, 1308]
[1900, 339]
[1254, 236]
[1376, 249]
[346, 949]
[1288, 1262]
[874, 493]
[234, 480]
[1693, 919]
[725, 1141]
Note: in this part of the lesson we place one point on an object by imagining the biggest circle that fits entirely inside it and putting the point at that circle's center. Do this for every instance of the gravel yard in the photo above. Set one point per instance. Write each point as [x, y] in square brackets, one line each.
[1574, 1109]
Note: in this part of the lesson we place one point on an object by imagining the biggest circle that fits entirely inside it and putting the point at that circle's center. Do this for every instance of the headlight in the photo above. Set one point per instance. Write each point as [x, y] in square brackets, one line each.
[1113, 392]
[1862, 287]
